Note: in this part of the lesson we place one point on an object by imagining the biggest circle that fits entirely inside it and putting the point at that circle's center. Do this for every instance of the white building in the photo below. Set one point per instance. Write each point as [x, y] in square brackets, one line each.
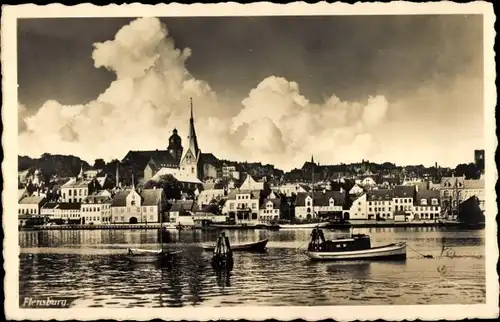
[69, 212]
[427, 205]
[48, 210]
[356, 190]
[76, 189]
[96, 209]
[358, 209]
[380, 204]
[251, 184]
[207, 196]
[30, 205]
[242, 206]
[324, 202]
[402, 199]
[270, 210]
[130, 206]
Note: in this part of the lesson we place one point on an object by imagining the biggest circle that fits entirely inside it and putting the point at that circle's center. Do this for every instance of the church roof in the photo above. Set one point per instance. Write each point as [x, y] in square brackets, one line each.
[141, 158]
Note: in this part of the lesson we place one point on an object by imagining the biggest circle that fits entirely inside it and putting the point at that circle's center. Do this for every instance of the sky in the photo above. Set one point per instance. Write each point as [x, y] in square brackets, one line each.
[404, 89]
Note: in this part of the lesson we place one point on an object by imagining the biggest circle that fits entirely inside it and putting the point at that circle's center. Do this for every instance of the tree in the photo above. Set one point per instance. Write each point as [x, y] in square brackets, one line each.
[99, 164]
[469, 170]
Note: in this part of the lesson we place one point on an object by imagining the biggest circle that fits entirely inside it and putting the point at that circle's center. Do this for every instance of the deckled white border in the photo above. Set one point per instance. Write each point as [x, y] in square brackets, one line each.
[9, 166]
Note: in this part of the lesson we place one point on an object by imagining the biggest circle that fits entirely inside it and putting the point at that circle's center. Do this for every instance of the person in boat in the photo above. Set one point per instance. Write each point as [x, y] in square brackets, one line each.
[317, 240]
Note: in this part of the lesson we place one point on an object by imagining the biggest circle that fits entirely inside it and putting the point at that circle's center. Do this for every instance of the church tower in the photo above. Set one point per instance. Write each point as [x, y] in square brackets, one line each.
[175, 146]
[189, 165]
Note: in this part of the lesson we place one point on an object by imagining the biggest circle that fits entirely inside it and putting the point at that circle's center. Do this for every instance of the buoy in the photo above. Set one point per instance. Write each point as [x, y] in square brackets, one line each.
[223, 256]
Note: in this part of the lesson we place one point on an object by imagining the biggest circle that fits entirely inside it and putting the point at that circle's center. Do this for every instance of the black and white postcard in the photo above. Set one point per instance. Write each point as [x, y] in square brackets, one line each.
[261, 161]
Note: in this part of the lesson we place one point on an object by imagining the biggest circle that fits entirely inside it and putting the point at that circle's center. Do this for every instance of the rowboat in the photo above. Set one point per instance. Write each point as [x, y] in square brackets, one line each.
[357, 247]
[249, 247]
[149, 255]
[305, 226]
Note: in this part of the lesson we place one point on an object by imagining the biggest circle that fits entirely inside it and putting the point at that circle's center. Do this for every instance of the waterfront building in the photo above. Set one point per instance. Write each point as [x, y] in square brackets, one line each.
[68, 212]
[180, 211]
[270, 210]
[207, 214]
[310, 206]
[427, 206]
[380, 204]
[403, 197]
[358, 208]
[96, 209]
[48, 209]
[130, 206]
[76, 189]
[242, 206]
[30, 205]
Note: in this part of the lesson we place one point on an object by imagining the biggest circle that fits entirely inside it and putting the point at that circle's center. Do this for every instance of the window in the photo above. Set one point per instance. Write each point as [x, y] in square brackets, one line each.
[69, 192]
[79, 192]
[123, 218]
[132, 203]
[144, 209]
[151, 209]
[138, 209]
[423, 202]
[151, 217]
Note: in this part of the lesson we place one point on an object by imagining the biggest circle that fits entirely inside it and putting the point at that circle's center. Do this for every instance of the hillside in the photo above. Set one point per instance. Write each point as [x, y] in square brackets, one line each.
[50, 164]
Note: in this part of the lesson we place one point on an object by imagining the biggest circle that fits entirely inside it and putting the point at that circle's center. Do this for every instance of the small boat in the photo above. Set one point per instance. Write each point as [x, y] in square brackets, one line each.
[304, 226]
[357, 247]
[249, 247]
[149, 255]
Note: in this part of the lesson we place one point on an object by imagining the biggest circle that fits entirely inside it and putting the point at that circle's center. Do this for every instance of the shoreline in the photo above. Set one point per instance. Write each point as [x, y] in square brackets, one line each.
[332, 226]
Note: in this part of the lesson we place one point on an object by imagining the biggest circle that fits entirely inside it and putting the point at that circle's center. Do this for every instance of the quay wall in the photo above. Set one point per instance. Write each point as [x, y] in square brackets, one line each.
[355, 224]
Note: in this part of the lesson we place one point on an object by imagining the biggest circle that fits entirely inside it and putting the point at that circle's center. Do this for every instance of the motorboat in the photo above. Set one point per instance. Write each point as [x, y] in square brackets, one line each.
[356, 247]
[258, 246]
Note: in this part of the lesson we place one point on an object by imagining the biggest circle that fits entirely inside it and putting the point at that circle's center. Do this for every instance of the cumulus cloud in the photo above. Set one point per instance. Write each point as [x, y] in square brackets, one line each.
[150, 97]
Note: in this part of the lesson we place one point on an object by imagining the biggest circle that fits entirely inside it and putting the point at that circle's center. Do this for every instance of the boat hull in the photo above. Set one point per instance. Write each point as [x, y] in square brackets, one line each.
[149, 256]
[305, 226]
[249, 247]
[388, 252]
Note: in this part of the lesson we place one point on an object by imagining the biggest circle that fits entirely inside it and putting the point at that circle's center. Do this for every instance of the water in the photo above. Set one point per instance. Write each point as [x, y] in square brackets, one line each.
[89, 265]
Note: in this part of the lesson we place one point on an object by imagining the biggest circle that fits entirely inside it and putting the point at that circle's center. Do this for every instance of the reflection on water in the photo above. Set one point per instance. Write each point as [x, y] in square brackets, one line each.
[90, 264]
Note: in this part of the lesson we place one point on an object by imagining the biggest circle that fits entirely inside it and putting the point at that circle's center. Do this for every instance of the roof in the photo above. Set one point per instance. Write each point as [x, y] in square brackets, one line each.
[255, 194]
[213, 209]
[276, 203]
[119, 200]
[321, 198]
[251, 183]
[74, 183]
[209, 158]
[181, 206]
[427, 195]
[379, 195]
[97, 198]
[403, 192]
[211, 192]
[151, 197]
[451, 181]
[50, 205]
[141, 158]
[31, 200]
[69, 206]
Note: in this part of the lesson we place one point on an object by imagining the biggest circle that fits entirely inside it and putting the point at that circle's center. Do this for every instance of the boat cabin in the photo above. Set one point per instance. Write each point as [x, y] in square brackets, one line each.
[355, 242]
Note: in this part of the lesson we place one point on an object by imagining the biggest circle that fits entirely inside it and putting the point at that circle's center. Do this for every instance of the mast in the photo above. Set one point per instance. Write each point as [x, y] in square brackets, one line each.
[312, 182]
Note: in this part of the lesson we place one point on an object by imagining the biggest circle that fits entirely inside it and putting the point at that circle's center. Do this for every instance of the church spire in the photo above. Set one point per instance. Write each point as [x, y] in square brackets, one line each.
[193, 142]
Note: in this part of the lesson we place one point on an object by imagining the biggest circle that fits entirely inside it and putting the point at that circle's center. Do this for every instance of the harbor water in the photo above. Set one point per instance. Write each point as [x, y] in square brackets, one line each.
[89, 266]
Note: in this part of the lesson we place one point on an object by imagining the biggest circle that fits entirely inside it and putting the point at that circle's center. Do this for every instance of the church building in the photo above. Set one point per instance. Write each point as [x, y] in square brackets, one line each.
[185, 164]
